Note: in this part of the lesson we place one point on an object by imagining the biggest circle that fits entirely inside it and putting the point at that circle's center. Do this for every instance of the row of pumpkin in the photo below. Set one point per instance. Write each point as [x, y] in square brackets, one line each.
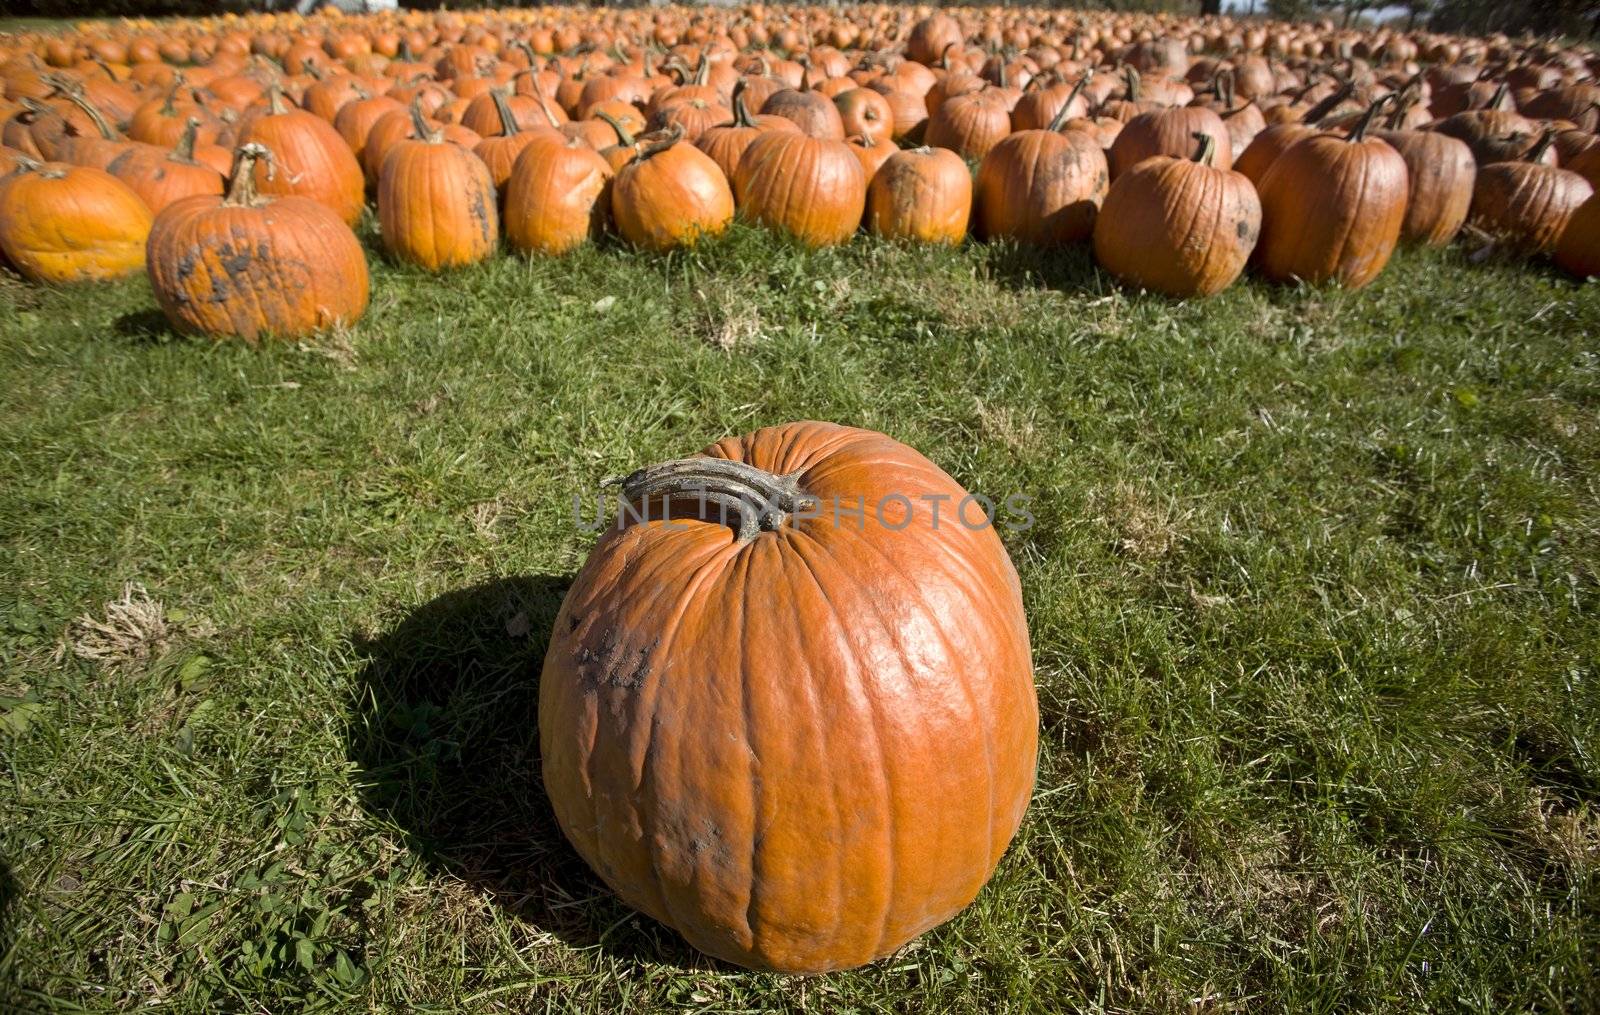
[1177, 187]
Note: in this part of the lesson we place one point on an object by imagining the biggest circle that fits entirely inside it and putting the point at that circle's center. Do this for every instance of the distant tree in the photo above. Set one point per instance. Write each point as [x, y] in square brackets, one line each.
[1546, 17]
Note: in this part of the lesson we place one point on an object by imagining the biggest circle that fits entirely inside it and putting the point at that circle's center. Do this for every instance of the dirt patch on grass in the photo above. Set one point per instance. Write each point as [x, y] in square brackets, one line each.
[132, 628]
[1146, 526]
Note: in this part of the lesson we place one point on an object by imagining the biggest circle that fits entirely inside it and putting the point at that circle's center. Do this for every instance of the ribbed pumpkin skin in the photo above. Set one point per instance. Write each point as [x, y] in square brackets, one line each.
[969, 125]
[1527, 205]
[1331, 210]
[436, 205]
[1441, 172]
[811, 188]
[63, 223]
[1264, 149]
[288, 268]
[312, 161]
[1578, 250]
[1178, 227]
[671, 198]
[1168, 132]
[1041, 187]
[924, 194]
[557, 197]
[803, 750]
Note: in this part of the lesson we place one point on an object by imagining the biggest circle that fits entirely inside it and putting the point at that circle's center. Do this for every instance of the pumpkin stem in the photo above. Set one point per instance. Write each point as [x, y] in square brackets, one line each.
[170, 106]
[760, 500]
[1536, 153]
[671, 136]
[1316, 114]
[419, 124]
[944, 54]
[77, 98]
[1498, 96]
[702, 71]
[242, 181]
[624, 136]
[508, 116]
[1359, 131]
[184, 152]
[1132, 77]
[275, 103]
[1060, 119]
[741, 109]
[1207, 150]
[538, 95]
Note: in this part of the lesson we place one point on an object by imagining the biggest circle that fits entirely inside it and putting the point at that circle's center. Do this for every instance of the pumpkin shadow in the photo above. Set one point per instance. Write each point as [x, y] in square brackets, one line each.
[10, 896]
[445, 736]
[144, 327]
[1069, 269]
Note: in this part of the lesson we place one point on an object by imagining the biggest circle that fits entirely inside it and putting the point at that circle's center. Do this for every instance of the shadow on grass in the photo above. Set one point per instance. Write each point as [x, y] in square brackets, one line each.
[1070, 269]
[10, 896]
[447, 741]
[144, 327]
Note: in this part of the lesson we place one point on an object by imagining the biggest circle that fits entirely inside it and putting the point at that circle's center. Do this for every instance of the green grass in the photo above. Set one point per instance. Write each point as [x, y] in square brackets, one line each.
[1312, 593]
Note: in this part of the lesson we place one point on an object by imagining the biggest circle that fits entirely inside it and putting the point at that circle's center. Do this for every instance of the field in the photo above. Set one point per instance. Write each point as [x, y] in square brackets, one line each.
[1312, 594]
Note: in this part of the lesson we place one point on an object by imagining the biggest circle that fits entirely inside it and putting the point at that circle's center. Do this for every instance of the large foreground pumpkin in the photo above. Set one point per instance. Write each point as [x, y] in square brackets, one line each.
[799, 739]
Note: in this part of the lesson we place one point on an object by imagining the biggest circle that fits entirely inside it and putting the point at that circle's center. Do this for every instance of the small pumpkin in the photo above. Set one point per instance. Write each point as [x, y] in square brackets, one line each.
[436, 202]
[1441, 171]
[62, 223]
[248, 265]
[825, 776]
[865, 112]
[1041, 187]
[1180, 227]
[557, 196]
[1526, 204]
[921, 194]
[1332, 208]
[160, 178]
[312, 160]
[970, 125]
[809, 187]
[726, 142]
[1169, 132]
[670, 195]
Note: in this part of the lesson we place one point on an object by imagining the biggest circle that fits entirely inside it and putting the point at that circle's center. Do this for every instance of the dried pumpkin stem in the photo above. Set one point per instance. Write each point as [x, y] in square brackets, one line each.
[1359, 131]
[184, 152]
[673, 135]
[242, 181]
[508, 116]
[625, 137]
[78, 99]
[1536, 153]
[760, 500]
[1206, 152]
[1060, 119]
[741, 109]
[1316, 114]
[419, 124]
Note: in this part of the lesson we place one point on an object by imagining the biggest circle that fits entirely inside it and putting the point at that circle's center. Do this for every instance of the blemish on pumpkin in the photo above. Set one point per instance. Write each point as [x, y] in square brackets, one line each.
[1244, 229]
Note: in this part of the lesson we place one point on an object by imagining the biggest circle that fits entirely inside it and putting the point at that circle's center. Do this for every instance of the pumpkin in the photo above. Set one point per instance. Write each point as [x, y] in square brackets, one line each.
[1039, 107]
[557, 196]
[814, 113]
[311, 159]
[499, 151]
[866, 113]
[1277, 138]
[695, 116]
[248, 265]
[670, 195]
[1041, 187]
[799, 742]
[160, 178]
[436, 202]
[931, 37]
[922, 194]
[871, 156]
[1332, 208]
[910, 110]
[355, 121]
[1494, 135]
[1179, 227]
[812, 188]
[1441, 172]
[1578, 249]
[62, 223]
[401, 125]
[970, 125]
[1526, 204]
[1169, 132]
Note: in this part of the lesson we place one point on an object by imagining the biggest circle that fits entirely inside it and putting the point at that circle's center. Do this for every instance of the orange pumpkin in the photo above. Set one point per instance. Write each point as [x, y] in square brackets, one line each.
[726, 142]
[1332, 208]
[922, 194]
[751, 827]
[1441, 172]
[1179, 227]
[312, 160]
[1526, 204]
[248, 265]
[160, 178]
[808, 187]
[557, 197]
[670, 195]
[61, 223]
[436, 202]
[1041, 187]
